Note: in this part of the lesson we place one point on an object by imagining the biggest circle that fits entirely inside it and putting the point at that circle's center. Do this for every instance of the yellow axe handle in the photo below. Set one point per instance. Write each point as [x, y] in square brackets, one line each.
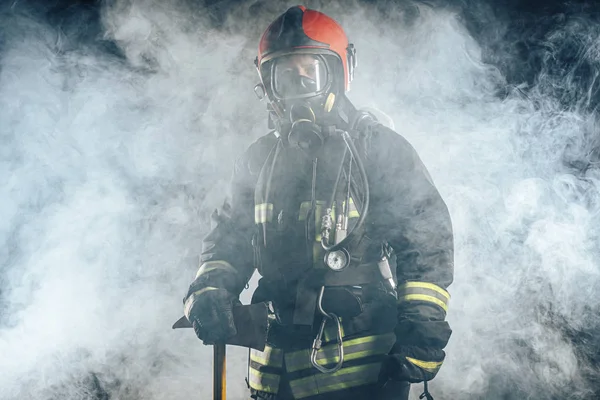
[219, 372]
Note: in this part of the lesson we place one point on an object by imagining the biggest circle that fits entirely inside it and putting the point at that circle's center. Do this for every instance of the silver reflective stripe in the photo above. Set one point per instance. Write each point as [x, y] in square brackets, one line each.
[270, 356]
[263, 381]
[423, 291]
[345, 378]
[354, 349]
[263, 213]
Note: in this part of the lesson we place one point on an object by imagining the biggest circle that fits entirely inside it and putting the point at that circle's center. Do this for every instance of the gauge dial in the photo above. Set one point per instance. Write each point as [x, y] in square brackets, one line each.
[337, 260]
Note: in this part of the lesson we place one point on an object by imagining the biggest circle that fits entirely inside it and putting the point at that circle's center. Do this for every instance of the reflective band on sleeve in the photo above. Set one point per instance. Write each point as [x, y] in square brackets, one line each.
[423, 291]
[269, 357]
[187, 307]
[426, 285]
[354, 349]
[263, 381]
[263, 213]
[431, 366]
[345, 378]
[422, 297]
[215, 265]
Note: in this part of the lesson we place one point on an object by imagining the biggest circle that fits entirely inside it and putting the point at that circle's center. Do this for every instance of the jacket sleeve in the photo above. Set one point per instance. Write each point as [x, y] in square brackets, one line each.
[412, 217]
[227, 259]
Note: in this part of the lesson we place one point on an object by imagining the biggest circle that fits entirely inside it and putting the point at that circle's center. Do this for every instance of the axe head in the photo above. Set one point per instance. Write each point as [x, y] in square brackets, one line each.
[251, 322]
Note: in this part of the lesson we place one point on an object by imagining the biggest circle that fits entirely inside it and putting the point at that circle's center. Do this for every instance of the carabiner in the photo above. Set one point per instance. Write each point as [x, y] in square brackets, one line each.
[318, 340]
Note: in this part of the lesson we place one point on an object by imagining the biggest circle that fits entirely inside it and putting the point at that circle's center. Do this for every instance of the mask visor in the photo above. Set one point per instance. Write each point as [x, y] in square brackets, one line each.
[299, 75]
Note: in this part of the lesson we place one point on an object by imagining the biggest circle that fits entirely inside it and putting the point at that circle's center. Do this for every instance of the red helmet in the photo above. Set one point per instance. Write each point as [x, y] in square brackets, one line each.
[301, 31]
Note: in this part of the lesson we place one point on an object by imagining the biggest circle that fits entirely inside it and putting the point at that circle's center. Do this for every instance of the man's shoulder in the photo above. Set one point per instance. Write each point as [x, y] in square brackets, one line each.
[256, 154]
[385, 140]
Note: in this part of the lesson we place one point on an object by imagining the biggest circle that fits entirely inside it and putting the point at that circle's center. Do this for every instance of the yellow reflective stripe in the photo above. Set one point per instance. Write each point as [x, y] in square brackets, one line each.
[304, 208]
[324, 360]
[330, 332]
[353, 350]
[352, 211]
[424, 297]
[347, 343]
[263, 381]
[213, 265]
[187, 307]
[425, 285]
[431, 366]
[263, 213]
[345, 378]
[298, 360]
[269, 357]
[341, 386]
[424, 291]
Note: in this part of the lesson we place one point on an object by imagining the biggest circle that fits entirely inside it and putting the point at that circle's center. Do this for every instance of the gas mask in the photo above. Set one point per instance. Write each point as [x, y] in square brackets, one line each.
[302, 93]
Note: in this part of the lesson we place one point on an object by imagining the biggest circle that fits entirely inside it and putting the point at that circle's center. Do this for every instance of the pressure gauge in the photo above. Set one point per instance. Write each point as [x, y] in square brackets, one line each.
[337, 260]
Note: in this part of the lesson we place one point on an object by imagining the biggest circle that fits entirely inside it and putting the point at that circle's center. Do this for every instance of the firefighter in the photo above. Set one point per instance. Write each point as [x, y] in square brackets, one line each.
[339, 215]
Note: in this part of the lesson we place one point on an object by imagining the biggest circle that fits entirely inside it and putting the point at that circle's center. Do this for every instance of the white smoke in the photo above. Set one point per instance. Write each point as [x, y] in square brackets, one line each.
[112, 165]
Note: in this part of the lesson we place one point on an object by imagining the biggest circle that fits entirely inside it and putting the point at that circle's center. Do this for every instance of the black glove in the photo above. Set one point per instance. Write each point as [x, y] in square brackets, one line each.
[412, 364]
[210, 313]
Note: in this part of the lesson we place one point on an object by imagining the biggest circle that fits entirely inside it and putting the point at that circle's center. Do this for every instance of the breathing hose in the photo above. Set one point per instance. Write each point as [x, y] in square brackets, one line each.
[327, 223]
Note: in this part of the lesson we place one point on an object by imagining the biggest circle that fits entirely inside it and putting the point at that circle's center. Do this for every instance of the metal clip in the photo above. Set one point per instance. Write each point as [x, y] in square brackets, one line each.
[326, 225]
[318, 340]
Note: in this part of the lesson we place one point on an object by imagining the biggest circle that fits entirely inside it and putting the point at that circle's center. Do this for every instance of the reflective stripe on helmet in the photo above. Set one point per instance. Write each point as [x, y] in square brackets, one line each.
[423, 291]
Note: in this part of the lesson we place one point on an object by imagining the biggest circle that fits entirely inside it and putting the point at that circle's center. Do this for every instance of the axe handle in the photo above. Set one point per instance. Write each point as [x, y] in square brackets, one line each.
[219, 372]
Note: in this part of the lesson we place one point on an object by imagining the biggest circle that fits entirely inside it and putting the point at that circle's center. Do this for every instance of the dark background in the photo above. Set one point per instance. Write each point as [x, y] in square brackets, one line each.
[535, 44]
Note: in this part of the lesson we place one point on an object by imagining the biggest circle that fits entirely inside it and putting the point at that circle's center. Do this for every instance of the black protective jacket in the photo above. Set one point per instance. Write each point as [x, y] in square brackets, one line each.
[273, 220]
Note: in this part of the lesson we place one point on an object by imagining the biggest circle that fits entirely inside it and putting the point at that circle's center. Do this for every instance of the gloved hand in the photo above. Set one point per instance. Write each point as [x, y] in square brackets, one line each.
[412, 364]
[209, 311]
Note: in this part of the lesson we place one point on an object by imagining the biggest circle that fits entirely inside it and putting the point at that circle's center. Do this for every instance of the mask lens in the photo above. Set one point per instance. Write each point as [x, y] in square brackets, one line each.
[299, 75]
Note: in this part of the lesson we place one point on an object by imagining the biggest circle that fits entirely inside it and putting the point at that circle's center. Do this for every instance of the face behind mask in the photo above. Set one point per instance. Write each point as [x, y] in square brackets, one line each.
[302, 78]
[298, 76]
